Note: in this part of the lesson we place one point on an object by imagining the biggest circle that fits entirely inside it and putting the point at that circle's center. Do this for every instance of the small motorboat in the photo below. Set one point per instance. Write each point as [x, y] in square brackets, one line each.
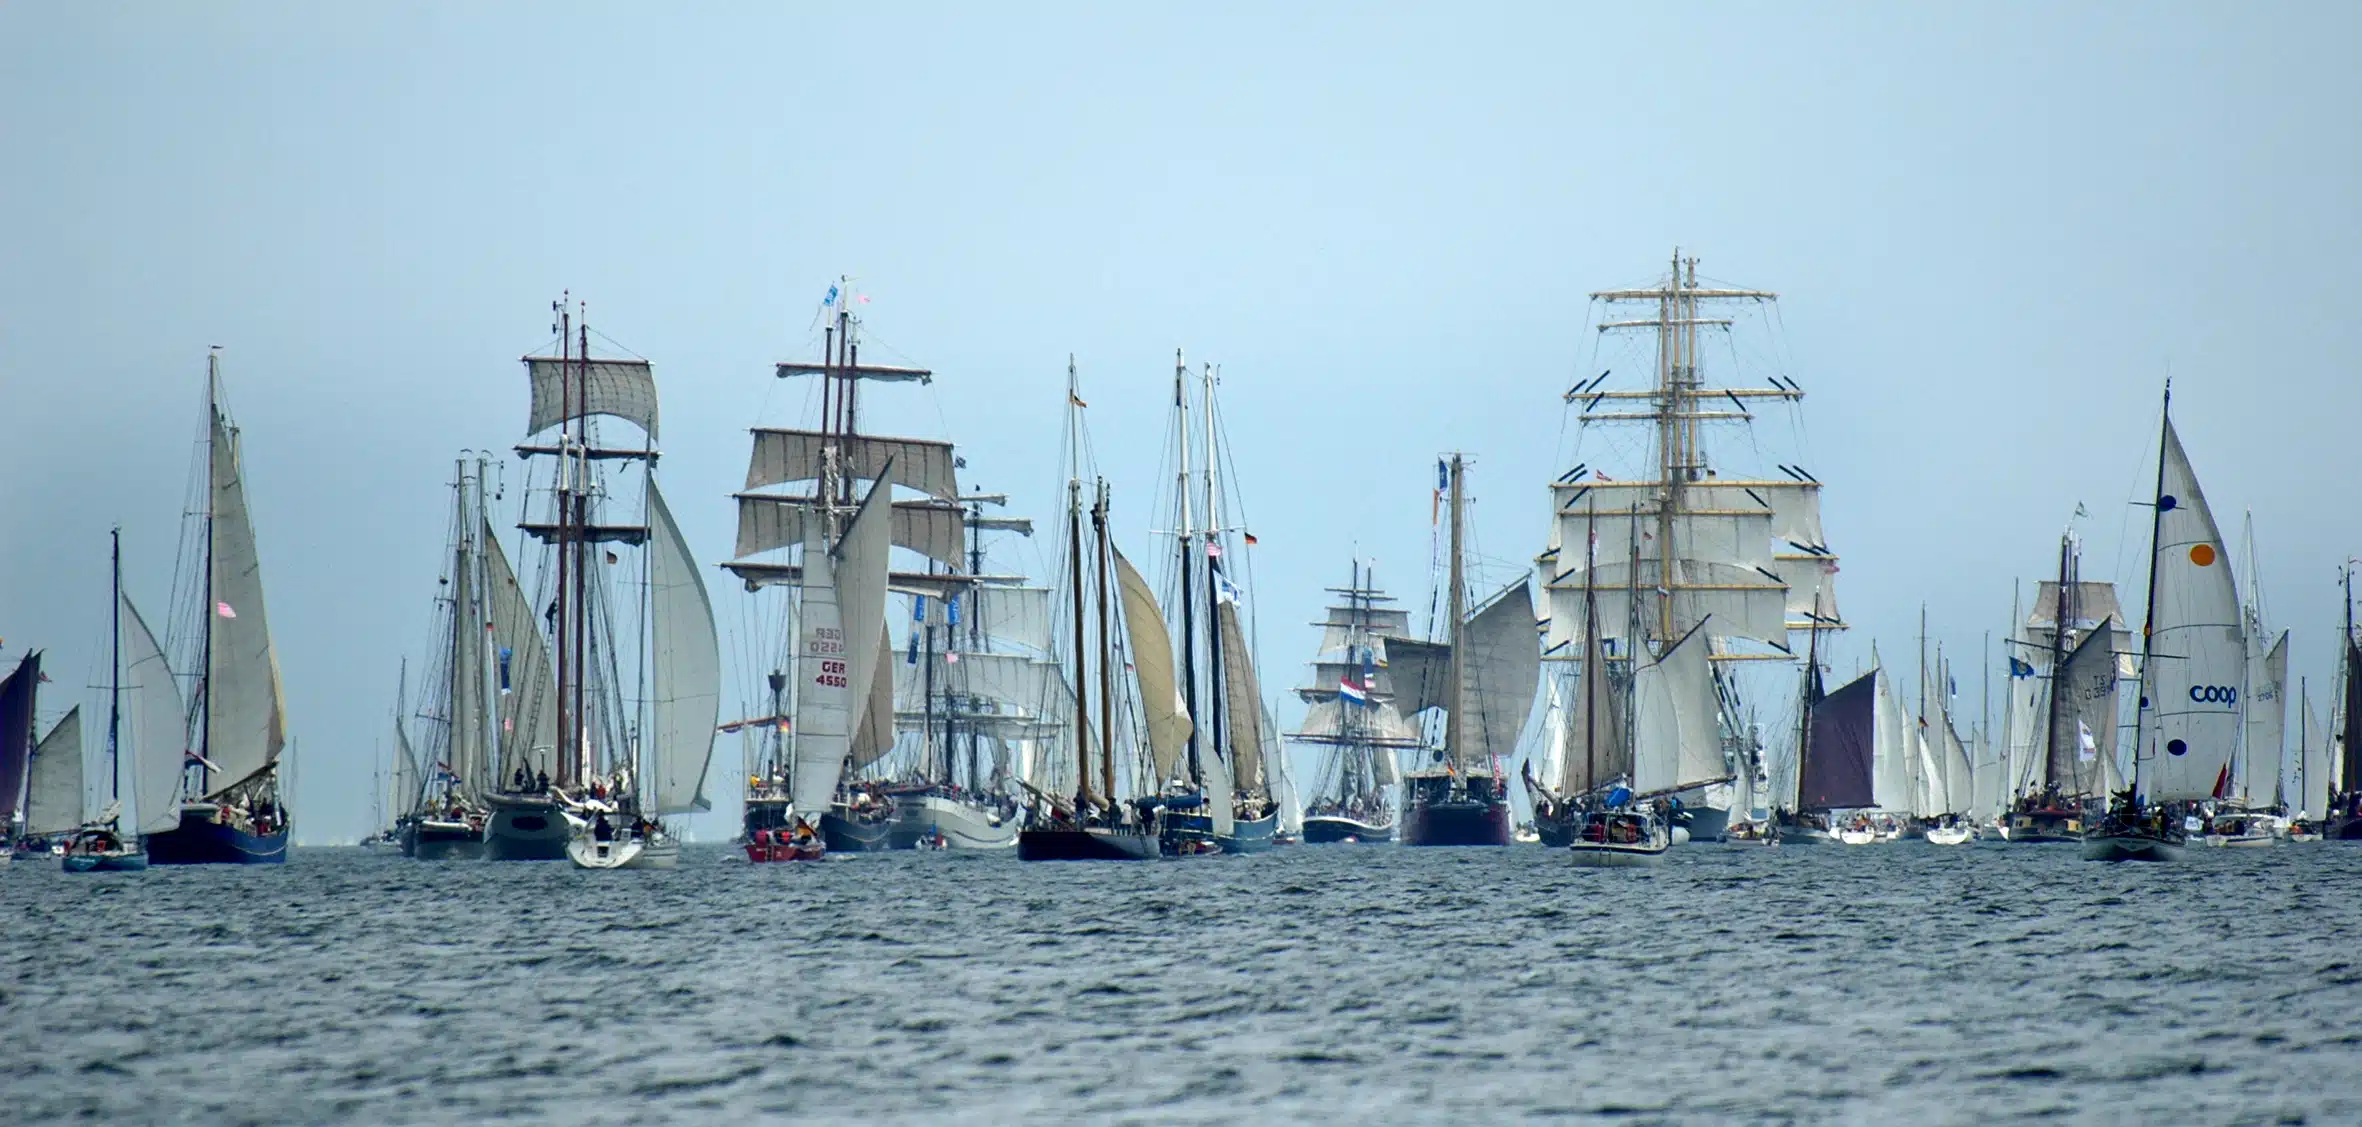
[1620, 839]
[2242, 831]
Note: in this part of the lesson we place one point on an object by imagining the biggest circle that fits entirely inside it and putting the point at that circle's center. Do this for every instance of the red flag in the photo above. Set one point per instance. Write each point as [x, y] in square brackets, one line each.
[2222, 782]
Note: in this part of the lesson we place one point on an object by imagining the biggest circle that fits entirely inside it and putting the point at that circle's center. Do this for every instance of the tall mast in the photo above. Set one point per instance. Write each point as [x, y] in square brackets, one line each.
[1812, 676]
[115, 668]
[1082, 694]
[1106, 667]
[1590, 675]
[2062, 611]
[1183, 534]
[1217, 691]
[2149, 613]
[205, 694]
[1456, 602]
[563, 753]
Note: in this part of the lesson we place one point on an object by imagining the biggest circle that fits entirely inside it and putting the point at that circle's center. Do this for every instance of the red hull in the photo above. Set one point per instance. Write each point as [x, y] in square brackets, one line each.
[764, 852]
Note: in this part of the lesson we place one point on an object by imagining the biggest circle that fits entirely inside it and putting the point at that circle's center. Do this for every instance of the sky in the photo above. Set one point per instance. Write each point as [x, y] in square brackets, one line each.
[1996, 230]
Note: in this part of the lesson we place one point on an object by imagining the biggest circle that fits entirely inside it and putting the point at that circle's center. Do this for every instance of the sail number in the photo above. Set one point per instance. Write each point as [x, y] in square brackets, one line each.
[832, 674]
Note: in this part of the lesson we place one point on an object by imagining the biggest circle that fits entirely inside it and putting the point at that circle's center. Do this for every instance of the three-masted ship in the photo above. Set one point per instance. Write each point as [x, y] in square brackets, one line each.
[1655, 552]
[231, 807]
[1353, 714]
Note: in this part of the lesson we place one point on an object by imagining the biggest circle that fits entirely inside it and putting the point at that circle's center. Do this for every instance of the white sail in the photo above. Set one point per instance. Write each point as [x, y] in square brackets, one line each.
[1891, 770]
[1017, 615]
[1959, 770]
[1283, 775]
[1676, 730]
[245, 712]
[2024, 704]
[1242, 703]
[686, 667]
[1150, 648]
[824, 686]
[157, 742]
[782, 456]
[1499, 676]
[471, 731]
[2313, 768]
[625, 389]
[2267, 723]
[1219, 787]
[53, 792]
[860, 575]
[1596, 746]
[407, 782]
[1547, 760]
[2197, 666]
[526, 677]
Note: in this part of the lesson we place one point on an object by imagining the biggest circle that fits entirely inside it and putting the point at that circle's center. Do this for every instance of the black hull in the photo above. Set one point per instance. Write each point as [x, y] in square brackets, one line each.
[441, 843]
[846, 835]
[1331, 829]
[1456, 823]
[202, 841]
[1554, 833]
[1085, 845]
[2344, 828]
[526, 830]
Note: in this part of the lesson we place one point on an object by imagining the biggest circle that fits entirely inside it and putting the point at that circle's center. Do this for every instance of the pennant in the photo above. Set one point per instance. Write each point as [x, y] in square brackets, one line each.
[831, 299]
[918, 609]
[223, 609]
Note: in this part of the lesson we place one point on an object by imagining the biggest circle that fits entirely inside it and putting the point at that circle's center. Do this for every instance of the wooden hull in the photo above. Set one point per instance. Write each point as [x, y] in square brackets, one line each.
[1093, 843]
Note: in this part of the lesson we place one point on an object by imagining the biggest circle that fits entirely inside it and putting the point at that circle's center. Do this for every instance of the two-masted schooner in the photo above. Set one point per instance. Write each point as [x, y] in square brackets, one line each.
[1354, 715]
[2060, 723]
[1649, 555]
[230, 806]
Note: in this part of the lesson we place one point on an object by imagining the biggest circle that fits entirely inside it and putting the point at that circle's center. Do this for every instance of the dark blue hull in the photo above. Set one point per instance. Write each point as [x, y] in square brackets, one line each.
[1326, 829]
[203, 841]
[852, 835]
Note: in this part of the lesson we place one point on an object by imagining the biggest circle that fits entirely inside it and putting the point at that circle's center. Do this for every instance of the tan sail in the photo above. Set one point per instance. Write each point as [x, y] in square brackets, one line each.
[1150, 647]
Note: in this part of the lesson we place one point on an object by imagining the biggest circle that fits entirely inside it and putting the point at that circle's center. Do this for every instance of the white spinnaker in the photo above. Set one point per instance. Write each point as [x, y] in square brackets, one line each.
[246, 714]
[686, 667]
[2197, 667]
[157, 742]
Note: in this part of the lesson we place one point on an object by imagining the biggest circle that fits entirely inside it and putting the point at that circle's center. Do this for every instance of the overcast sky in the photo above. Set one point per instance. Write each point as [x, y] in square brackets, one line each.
[1995, 228]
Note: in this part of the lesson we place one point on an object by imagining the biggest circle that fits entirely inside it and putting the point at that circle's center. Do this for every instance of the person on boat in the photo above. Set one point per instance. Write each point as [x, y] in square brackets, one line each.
[541, 780]
[601, 830]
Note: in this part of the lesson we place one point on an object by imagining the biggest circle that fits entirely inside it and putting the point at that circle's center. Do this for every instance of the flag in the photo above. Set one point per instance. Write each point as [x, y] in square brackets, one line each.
[2020, 668]
[223, 609]
[2086, 748]
[2080, 511]
[44, 678]
[951, 658]
[951, 610]
[862, 298]
[505, 653]
[193, 757]
[1213, 548]
[1601, 475]
[1249, 537]
[913, 659]
[1351, 693]
[1224, 590]
[831, 299]
[1076, 399]
[918, 610]
[2222, 781]
[611, 558]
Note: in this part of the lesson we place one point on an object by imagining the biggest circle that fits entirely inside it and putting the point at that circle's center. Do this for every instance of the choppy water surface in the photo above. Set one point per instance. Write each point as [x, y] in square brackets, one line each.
[1315, 984]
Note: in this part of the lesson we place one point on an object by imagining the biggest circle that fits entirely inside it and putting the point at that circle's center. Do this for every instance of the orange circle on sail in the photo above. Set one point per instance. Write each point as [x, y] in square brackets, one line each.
[2202, 555]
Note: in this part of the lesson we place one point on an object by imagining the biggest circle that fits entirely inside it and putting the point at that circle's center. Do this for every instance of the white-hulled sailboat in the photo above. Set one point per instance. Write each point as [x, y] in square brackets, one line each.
[232, 809]
[2193, 666]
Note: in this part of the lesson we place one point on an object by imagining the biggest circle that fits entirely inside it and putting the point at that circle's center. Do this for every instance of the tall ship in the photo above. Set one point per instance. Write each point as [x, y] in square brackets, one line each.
[400, 784]
[1353, 714]
[634, 663]
[2066, 662]
[1482, 678]
[1688, 538]
[231, 808]
[1103, 800]
[937, 724]
[1224, 799]
[2193, 664]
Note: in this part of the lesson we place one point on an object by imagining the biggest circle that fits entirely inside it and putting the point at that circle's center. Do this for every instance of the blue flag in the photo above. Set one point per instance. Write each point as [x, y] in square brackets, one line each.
[2019, 668]
[913, 659]
[951, 610]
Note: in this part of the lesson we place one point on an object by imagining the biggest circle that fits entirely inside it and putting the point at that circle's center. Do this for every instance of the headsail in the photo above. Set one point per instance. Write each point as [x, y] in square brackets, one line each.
[1677, 733]
[1499, 676]
[824, 696]
[2197, 647]
[1893, 748]
[525, 675]
[158, 741]
[686, 679]
[2267, 723]
[1243, 704]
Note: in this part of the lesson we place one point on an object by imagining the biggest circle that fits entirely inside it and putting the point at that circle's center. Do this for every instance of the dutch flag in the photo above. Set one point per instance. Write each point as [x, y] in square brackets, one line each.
[1352, 693]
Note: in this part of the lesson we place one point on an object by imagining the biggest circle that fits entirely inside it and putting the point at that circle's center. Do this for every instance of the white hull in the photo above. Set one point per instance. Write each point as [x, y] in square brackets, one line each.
[1857, 837]
[2241, 841]
[1951, 835]
[662, 853]
[963, 825]
[588, 852]
[1590, 856]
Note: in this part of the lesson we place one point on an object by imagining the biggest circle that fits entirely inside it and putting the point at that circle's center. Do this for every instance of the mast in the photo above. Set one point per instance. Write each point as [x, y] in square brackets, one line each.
[1217, 690]
[1456, 601]
[1590, 634]
[1188, 621]
[579, 746]
[1106, 667]
[2149, 612]
[1812, 676]
[563, 753]
[2060, 615]
[115, 669]
[1082, 695]
[205, 693]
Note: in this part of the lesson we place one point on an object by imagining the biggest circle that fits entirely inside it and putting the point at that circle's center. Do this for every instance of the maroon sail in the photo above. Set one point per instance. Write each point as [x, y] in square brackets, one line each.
[1835, 774]
[16, 736]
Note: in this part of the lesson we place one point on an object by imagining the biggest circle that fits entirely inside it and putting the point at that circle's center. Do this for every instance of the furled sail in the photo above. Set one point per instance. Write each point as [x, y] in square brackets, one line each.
[53, 793]
[17, 693]
[1150, 648]
[1499, 676]
[158, 741]
[525, 674]
[623, 389]
[1838, 763]
[685, 667]
[782, 456]
[2267, 722]
[245, 711]
[2345, 731]
[1676, 723]
[2197, 646]
[1242, 702]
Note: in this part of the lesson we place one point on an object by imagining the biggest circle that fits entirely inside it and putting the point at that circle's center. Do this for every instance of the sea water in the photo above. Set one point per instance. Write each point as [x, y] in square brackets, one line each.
[1312, 985]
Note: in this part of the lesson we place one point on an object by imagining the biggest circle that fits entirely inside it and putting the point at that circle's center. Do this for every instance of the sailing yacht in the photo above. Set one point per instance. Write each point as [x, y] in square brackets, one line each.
[232, 809]
[100, 844]
[2193, 666]
[1354, 715]
[1484, 678]
[1836, 758]
[1743, 554]
[968, 701]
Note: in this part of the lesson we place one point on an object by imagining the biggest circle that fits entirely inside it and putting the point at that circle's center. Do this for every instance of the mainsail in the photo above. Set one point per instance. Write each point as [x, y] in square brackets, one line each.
[1500, 674]
[158, 739]
[471, 733]
[245, 712]
[528, 686]
[1677, 732]
[53, 793]
[1836, 773]
[824, 698]
[1596, 747]
[407, 782]
[686, 668]
[2197, 648]
[2267, 723]
[16, 734]
[2082, 748]
[1894, 747]
[1149, 645]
